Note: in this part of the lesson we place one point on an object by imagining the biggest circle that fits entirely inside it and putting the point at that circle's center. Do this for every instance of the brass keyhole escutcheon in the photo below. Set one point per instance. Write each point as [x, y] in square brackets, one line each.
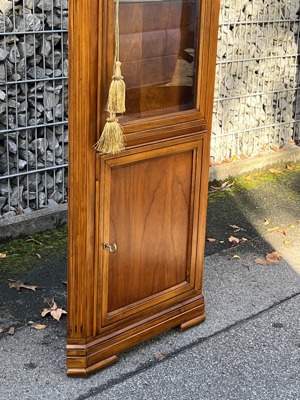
[112, 247]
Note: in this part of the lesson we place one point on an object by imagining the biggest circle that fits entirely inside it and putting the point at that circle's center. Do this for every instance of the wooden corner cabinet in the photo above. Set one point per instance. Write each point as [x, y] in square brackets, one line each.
[137, 218]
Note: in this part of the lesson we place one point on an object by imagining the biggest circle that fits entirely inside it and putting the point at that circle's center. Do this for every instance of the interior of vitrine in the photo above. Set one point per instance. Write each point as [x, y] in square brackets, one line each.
[158, 51]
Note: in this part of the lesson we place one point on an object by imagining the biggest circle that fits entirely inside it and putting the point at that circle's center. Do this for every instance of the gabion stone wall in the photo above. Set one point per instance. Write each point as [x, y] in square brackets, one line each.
[33, 105]
[257, 97]
[257, 80]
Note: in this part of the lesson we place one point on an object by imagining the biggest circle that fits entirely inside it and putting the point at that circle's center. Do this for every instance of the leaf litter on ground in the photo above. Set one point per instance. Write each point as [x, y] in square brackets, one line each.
[18, 285]
[11, 331]
[270, 258]
[237, 228]
[225, 186]
[234, 240]
[55, 311]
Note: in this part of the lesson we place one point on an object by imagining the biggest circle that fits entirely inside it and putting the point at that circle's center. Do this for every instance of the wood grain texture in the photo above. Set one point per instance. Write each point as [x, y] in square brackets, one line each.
[82, 135]
[151, 199]
[150, 224]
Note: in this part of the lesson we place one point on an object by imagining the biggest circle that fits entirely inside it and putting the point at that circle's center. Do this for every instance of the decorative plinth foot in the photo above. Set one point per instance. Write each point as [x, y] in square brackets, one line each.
[190, 323]
[83, 372]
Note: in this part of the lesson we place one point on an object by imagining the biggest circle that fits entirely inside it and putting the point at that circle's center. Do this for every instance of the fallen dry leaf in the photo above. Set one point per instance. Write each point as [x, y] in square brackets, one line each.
[2, 255]
[159, 357]
[19, 284]
[273, 257]
[31, 239]
[236, 256]
[38, 255]
[276, 171]
[277, 229]
[266, 221]
[292, 226]
[282, 231]
[261, 261]
[273, 229]
[11, 331]
[234, 240]
[1, 329]
[236, 228]
[39, 327]
[226, 185]
[55, 311]
[287, 242]
[274, 148]
[211, 240]
[290, 167]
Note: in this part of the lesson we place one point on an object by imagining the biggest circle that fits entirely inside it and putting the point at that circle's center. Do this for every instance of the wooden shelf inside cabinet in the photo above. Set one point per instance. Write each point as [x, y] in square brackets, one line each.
[137, 218]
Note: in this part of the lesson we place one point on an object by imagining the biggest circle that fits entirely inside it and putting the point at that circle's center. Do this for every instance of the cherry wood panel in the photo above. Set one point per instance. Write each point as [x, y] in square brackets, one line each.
[99, 325]
[150, 225]
[150, 211]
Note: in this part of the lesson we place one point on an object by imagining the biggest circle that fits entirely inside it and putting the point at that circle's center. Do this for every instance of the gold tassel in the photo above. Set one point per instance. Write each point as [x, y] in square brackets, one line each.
[116, 94]
[112, 139]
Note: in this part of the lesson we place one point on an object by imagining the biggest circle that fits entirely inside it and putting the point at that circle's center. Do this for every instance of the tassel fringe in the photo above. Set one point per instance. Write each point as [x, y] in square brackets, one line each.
[116, 95]
[112, 139]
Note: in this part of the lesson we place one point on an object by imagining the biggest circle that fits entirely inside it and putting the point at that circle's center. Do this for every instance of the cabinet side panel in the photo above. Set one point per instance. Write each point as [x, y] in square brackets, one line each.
[82, 135]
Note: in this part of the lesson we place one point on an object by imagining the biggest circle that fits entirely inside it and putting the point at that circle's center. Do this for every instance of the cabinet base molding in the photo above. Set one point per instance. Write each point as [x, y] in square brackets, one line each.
[84, 359]
[190, 323]
[77, 371]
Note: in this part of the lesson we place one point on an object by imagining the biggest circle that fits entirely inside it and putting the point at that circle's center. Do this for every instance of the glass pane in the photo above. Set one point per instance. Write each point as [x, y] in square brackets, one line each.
[158, 42]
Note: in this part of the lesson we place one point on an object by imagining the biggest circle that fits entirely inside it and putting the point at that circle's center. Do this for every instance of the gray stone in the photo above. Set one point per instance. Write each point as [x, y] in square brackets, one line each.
[39, 146]
[2, 95]
[3, 54]
[36, 72]
[16, 195]
[21, 163]
[46, 48]
[27, 195]
[42, 199]
[3, 201]
[52, 203]
[45, 5]
[57, 196]
[9, 214]
[28, 156]
[48, 181]
[25, 49]
[5, 189]
[53, 143]
[12, 147]
[2, 73]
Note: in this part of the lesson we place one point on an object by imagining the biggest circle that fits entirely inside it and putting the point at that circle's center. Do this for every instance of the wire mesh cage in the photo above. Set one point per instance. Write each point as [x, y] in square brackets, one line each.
[257, 92]
[257, 80]
[33, 105]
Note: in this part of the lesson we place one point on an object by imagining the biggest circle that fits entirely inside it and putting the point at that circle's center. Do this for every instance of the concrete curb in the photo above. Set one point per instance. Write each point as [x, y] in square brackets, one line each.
[36, 221]
[254, 164]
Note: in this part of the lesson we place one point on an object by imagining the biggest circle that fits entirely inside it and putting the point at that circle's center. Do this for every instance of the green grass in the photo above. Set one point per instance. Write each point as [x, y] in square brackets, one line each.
[24, 254]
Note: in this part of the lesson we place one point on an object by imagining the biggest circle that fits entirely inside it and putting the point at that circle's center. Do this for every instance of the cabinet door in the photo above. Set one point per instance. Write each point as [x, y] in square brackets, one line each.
[148, 230]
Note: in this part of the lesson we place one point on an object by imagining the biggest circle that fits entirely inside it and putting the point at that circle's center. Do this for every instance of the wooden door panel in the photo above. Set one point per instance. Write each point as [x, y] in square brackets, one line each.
[149, 222]
[150, 215]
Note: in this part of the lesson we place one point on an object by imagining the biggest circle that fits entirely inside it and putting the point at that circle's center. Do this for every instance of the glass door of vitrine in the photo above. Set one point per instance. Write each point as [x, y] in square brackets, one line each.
[159, 42]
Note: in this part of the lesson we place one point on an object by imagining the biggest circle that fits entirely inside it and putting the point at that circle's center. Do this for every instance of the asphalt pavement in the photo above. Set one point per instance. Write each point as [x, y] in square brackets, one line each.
[248, 347]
